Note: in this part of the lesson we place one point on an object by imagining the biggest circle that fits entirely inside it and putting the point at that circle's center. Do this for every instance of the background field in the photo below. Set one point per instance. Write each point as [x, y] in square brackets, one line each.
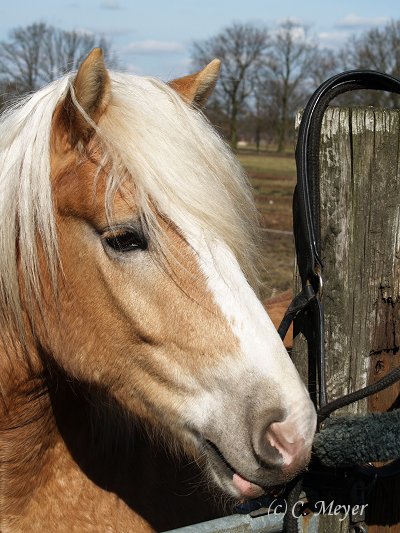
[273, 178]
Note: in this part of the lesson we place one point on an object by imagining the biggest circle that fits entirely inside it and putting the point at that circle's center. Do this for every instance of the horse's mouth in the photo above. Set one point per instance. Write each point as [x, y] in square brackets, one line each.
[227, 477]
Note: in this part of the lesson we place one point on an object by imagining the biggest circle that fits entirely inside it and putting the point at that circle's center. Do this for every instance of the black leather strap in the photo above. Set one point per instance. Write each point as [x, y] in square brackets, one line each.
[307, 197]
[307, 306]
[296, 305]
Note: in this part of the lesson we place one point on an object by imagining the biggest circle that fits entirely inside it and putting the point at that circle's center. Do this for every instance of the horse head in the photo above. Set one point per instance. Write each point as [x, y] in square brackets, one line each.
[150, 291]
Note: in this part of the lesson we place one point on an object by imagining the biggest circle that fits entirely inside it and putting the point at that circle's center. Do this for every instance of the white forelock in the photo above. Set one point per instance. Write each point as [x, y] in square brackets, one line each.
[174, 157]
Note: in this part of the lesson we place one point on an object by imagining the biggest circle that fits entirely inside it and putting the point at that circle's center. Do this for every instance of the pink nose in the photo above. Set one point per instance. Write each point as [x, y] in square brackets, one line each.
[291, 446]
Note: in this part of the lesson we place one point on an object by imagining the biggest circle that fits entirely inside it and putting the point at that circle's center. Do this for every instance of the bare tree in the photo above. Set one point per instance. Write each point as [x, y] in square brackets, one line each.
[288, 76]
[241, 48]
[324, 64]
[20, 57]
[375, 49]
[39, 53]
[66, 50]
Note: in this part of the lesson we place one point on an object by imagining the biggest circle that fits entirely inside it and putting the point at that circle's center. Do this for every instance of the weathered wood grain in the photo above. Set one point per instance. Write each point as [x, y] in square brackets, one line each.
[360, 223]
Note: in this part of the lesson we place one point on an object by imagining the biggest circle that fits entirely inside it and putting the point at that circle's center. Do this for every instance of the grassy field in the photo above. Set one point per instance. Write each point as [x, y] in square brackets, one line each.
[273, 179]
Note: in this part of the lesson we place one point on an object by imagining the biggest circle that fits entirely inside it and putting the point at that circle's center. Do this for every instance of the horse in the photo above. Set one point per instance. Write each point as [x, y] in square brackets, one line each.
[130, 310]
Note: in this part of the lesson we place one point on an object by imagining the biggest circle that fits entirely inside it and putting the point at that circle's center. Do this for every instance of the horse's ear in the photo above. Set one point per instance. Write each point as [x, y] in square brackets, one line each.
[196, 88]
[87, 99]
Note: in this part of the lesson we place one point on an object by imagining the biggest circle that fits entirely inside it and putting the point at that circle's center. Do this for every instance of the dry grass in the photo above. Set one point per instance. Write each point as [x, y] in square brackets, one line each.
[273, 177]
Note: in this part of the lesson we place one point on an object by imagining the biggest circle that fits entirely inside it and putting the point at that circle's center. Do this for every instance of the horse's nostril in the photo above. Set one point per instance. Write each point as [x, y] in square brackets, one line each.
[269, 456]
[290, 445]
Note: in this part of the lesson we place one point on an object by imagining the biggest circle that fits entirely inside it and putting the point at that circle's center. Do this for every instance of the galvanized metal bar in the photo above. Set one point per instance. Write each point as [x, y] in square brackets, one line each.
[239, 523]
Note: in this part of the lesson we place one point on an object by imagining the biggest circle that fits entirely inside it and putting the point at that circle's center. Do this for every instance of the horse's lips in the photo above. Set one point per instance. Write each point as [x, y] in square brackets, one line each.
[246, 488]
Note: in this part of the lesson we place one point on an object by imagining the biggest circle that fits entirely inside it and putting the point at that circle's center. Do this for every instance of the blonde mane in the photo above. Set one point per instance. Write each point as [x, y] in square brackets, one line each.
[176, 159]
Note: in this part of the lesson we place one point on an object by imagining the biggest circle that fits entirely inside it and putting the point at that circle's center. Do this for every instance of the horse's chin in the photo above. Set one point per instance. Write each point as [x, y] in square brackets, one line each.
[242, 486]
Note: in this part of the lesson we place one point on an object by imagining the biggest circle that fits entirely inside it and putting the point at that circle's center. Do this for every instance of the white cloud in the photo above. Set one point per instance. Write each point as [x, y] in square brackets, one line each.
[298, 32]
[296, 28]
[154, 47]
[356, 21]
[332, 38]
[291, 20]
[110, 4]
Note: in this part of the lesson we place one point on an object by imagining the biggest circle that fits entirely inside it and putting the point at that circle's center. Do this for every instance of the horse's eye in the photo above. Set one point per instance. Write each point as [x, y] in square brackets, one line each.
[126, 241]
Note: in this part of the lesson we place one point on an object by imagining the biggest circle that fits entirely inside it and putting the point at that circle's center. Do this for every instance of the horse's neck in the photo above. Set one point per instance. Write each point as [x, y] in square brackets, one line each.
[59, 464]
[40, 482]
[27, 429]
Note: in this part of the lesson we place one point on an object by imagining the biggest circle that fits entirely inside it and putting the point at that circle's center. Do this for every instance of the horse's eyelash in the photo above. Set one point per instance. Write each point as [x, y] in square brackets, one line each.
[125, 240]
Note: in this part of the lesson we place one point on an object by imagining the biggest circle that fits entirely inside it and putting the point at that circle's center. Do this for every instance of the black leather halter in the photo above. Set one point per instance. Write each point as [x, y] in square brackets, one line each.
[306, 308]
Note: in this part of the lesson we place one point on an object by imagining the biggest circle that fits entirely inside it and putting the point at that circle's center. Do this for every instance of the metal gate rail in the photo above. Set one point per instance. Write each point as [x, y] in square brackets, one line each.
[245, 523]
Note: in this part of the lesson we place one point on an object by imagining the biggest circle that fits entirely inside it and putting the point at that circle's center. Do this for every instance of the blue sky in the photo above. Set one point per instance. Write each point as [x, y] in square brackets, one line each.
[153, 37]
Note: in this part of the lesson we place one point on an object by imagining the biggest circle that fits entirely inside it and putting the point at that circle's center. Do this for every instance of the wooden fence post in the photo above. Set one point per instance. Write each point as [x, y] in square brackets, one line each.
[360, 219]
